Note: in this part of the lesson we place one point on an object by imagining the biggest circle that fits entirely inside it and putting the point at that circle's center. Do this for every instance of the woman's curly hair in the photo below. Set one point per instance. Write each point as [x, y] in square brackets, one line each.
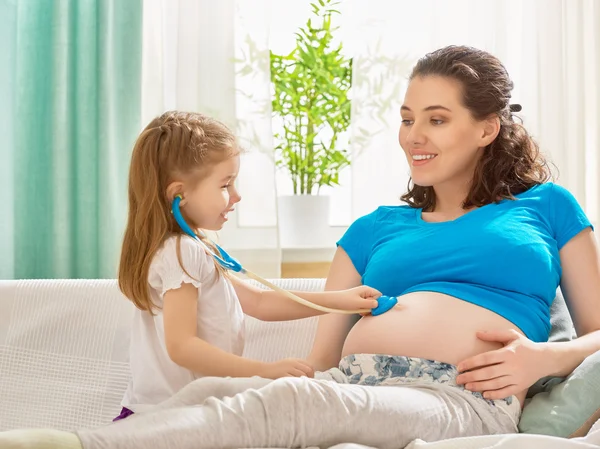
[512, 163]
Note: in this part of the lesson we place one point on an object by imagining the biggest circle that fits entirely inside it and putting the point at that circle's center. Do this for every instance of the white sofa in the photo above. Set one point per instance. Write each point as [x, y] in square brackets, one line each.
[64, 350]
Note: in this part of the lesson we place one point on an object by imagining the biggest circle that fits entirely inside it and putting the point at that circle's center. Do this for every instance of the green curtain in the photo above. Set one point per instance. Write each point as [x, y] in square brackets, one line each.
[8, 16]
[73, 86]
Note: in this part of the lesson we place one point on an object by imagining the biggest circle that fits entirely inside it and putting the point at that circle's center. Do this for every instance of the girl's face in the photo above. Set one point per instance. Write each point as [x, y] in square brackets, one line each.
[211, 199]
[441, 139]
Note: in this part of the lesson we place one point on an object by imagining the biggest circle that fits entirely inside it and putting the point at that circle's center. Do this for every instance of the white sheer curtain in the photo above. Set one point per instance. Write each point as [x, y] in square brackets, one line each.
[209, 57]
[212, 57]
[551, 48]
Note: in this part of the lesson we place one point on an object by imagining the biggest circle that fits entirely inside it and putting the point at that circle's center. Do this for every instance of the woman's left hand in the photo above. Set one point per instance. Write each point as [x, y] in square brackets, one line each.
[506, 371]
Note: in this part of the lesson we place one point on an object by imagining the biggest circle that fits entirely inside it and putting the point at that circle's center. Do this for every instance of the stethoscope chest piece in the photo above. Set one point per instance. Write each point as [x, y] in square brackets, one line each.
[384, 303]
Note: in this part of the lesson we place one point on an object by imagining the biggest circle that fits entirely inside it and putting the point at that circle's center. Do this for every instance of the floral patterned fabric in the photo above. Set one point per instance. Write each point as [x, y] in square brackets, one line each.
[377, 369]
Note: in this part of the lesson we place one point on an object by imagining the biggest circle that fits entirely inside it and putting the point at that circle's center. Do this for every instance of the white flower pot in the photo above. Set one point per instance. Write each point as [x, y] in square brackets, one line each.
[303, 221]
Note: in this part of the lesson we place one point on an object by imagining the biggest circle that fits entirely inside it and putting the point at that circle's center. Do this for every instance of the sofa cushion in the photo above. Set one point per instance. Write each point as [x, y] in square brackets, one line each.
[568, 409]
[64, 349]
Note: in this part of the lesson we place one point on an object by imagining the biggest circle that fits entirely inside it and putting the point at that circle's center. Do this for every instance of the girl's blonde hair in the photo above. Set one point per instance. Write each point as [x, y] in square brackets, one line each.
[174, 146]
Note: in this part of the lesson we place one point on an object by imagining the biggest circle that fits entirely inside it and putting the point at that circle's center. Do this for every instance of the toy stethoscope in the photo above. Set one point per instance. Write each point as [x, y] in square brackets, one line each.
[228, 262]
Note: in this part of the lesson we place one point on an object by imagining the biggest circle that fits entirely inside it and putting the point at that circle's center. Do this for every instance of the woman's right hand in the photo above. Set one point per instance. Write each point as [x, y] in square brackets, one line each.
[287, 368]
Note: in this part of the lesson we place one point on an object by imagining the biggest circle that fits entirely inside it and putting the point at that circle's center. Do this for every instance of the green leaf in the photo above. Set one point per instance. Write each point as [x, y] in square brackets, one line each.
[311, 99]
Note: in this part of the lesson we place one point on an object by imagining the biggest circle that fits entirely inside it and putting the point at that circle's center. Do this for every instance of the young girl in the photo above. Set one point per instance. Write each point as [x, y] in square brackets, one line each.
[189, 318]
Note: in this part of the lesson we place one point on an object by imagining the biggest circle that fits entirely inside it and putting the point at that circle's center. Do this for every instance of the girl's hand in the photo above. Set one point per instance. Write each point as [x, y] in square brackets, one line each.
[506, 371]
[356, 298]
[286, 368]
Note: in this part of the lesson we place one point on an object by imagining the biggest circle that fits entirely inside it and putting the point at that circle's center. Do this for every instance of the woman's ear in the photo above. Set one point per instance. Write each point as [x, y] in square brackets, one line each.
[490, 130]
[174, 189]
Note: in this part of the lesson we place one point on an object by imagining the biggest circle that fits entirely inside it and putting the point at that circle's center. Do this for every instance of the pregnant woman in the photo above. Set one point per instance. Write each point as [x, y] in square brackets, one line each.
[475, 258]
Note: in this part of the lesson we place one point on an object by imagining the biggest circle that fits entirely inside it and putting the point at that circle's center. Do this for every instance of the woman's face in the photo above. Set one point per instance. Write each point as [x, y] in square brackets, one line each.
[441, 139]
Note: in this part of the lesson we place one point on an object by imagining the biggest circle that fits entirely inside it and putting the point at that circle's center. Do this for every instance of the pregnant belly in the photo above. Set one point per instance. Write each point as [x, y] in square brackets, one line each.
[426, 325]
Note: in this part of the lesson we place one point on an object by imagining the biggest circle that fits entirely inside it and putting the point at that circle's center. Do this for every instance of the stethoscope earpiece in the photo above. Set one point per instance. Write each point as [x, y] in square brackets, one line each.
[225, 260]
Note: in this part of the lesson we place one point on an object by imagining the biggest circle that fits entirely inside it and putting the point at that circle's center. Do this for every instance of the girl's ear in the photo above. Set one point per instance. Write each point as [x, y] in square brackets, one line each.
[174, 189]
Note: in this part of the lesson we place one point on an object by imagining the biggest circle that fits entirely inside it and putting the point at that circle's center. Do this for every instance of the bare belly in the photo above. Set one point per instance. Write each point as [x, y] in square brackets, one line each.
[427, 325]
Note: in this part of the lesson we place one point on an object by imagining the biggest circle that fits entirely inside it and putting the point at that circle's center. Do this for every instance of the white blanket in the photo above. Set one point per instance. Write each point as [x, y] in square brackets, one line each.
[516, 441]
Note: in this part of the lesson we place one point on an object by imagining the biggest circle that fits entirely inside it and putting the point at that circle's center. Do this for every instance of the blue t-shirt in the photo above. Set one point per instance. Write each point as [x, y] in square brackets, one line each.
[502, 256]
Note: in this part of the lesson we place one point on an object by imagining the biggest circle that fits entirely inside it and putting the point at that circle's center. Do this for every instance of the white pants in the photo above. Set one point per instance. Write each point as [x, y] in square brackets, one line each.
[301, 412]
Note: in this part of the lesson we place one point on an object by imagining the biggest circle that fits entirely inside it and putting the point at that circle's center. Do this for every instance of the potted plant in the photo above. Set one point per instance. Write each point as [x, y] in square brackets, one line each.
[311, 113]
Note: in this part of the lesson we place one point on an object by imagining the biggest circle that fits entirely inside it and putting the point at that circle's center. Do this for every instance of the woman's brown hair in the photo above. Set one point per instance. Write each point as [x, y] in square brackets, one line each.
[512, 163]
[174, 146]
